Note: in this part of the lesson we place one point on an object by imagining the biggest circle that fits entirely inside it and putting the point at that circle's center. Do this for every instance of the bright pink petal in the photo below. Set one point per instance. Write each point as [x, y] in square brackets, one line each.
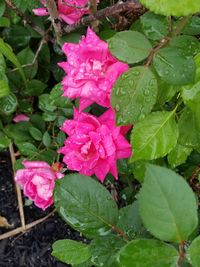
[40, 11]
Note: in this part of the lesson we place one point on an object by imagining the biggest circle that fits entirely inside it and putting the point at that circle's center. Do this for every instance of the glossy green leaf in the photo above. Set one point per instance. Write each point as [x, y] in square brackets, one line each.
[134, 95]
[8, 53]
[189, 44]
[154, 136]
[46, 139]
[70, 251]
[104, 248]
[35, 133]
[178, 155]
[168, 206]
[8, 104]
[171, 7]
[130, 221]
[96, 212]
[4, 88]
[27, 149]
[165, 92]
[2, 7]
[154, 26]
[35, 88]
[193, 26]
[193, 252]
[173, 66]
[19, 132]
[147, 253]
[189, 135]
[4, 22]
[17, 36]
[129, 46]
[46, 104]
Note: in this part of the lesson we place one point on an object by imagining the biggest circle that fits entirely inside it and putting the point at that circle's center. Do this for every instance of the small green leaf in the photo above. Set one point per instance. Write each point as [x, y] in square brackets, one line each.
[147, 253]
[8, 104]
[154, 136]
[2, 7]
[168, 206]
[45, 103]
[178, 155]
[189, 136]
[104, 248]
[193, 252]
[134, 95]
[173, 66]
[4, 88]
[46, 139]
[17, 36]
[172, 8]
[189, 44]
[35, 88]
[130, 221]
[4, 141]
[71, 252]
[193, 26]
[35, 133]
[129, 46]
[154, 26]
[4, 22]
[96, 213]
[27, 149]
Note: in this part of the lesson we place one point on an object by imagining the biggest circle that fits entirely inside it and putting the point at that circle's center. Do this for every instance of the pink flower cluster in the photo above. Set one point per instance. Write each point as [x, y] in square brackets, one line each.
[70, 11]
[94, 144]
[38, 181]
[91, 71]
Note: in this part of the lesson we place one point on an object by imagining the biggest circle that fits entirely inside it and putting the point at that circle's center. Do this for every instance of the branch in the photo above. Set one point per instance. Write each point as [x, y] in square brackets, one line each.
[106, 12]
[54, 17]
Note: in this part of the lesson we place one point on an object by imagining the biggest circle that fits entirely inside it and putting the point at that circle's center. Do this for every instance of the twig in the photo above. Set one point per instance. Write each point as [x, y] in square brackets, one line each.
[181, 253]
[54, 17]
[27, 227]
[106, 12]
[28, 21]
[119, 231]
[93, 9]
[18, 190]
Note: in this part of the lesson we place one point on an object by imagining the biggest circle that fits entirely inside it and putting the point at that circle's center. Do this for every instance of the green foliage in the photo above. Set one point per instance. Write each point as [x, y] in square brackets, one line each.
[168, 218]
[147, 253]
[71, 252]
[96, 213]
[129, 46]
[193, 252]
[134, 95]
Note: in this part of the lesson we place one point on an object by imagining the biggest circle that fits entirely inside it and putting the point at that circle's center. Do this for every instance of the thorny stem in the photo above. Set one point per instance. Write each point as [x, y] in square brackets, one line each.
[181, 253]
[119, 231]
[93, 9]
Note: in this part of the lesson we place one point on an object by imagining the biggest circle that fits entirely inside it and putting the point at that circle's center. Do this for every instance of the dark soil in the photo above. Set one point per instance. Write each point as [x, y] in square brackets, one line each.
[33, 248]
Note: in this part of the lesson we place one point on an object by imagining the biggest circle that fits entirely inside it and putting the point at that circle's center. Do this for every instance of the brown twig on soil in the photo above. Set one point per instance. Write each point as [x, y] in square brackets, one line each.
[27, 227]
[18, 189]
[132, 5]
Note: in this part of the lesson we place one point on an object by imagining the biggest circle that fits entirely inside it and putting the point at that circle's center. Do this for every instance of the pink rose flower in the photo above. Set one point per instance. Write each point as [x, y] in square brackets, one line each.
[38, 181]
[91, 71]
[67, 12]
[20, 117]
[94, 144]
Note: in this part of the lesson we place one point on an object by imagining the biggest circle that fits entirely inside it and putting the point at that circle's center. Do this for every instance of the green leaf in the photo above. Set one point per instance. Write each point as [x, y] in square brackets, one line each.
[134, 95]
[2, 7]
[154, 136]
[104, 248]
[4, 88]
[19, 132]
[73, 37]
[96, 212]
[173, 66]
[154, 26]
[130, 221]
[4, 22]
[71, 252]
[57, 99]
[27, 149]
[45, 103]
[172, 8]
[193, 26]
[167, 204]
[147, 253]
[4, 141]
[193, 252]
[189, 136]
[189, 44]
[17, 36]
[178, 155]
[139, 169]
[35, 88]
[8, 104]
[35, 133]
[129, 46]
[46, 139]
[8, 53]
[26, 57]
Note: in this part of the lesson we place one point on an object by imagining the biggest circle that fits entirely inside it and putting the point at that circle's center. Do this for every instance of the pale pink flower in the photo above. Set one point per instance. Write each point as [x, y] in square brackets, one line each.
[20, 117]
[67, 12]
[91, 71]
[94, 144]
[38, 181]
